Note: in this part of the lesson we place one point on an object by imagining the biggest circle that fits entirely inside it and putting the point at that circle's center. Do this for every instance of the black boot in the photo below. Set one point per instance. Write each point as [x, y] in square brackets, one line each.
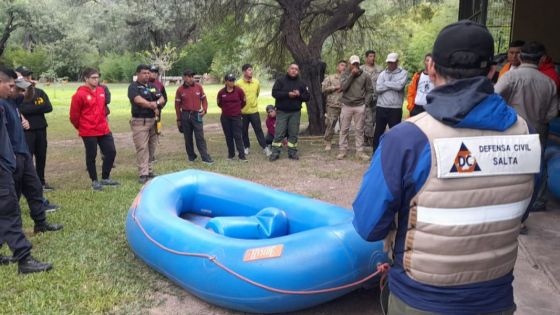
[47, 227]
[4, 260]
[292, 155]
[30, 265]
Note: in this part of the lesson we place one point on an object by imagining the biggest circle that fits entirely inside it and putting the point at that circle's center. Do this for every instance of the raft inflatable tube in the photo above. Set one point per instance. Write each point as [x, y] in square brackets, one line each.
[552, 157]
[247, 247]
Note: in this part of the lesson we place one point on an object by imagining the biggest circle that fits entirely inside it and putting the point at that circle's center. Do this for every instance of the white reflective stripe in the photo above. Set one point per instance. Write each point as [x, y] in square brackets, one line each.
[474, 215]
[487, 156]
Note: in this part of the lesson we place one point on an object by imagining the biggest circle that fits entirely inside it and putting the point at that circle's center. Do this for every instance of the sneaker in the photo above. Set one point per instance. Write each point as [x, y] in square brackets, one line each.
[208, 161]
[362, 156]
[341, 156]
[243, 159]
[191, 160]
[31, 265]
[47, 187]
[47, 227]
[51, 207]
[231, 158]
[95, 185]
[328, 146]
[143, 179]
[5, 260]
[267, 151]
[109, 182]
[246, 151]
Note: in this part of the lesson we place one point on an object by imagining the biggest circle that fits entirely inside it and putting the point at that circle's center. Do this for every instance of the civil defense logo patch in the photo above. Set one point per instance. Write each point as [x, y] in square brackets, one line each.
[464, 162]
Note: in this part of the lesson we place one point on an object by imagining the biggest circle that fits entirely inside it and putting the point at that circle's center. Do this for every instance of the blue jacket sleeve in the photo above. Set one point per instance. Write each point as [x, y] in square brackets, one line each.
[398, 170]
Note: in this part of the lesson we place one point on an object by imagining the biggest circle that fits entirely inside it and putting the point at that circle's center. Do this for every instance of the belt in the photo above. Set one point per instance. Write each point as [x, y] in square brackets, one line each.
[187, 111]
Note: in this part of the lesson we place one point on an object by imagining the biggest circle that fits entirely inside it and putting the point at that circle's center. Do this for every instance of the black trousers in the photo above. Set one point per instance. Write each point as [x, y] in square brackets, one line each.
[385, 116]
[27, 182]
[255, 121]
[11, 230]
[37, 144]
[269, 139]
[192, 124]
[107, 146]
[232, 131]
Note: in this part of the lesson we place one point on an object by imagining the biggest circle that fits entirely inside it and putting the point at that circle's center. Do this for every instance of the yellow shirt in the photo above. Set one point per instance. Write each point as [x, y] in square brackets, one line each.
[252, 90]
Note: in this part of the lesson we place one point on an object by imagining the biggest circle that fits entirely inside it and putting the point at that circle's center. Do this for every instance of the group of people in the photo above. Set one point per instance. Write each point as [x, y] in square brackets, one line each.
[22, 137]
[448, 189]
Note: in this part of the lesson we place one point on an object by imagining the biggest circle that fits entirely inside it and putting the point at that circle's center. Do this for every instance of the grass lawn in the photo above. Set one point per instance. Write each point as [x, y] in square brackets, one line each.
[94, 270]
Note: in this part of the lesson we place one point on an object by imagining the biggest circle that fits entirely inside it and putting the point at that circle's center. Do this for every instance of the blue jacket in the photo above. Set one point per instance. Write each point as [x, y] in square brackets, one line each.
[399, 169]
[7, 157]
[15, 129]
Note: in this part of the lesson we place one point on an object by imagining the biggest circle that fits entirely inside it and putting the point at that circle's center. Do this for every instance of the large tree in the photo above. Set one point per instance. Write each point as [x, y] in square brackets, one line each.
[301, 27]
[13, 15]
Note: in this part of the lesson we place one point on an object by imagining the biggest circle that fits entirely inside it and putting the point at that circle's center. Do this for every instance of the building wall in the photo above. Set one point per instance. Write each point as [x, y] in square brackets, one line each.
[538, 20]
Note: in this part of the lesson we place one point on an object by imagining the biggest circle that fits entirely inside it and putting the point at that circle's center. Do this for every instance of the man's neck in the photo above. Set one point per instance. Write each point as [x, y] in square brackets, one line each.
[248, 79]
[91, 87]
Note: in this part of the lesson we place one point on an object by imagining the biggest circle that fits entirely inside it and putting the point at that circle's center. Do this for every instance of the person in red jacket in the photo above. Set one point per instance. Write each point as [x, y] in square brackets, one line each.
[87, 114]
[546, 66]
[231, 99]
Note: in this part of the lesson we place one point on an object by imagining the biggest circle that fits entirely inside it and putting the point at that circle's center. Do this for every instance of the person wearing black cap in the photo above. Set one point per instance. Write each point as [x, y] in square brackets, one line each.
[447, 188]
[190, 107]
[11, 230]
[231, 99]
[146, 101]
[154, 79]
[34, 109]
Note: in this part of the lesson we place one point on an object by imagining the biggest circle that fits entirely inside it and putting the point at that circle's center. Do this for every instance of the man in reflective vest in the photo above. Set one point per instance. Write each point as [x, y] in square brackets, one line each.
[447, 188]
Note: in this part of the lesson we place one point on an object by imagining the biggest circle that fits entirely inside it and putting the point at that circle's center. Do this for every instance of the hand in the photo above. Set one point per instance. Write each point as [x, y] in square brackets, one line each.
[291, 94]
[296, 93]
[156, 111]
[25, 123]
[179, 126]
[355, 71]
[202, 113]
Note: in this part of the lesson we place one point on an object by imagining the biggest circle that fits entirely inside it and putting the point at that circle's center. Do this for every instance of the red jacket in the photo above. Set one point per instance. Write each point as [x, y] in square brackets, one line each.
[87, 112]
[271, 125]
[231, 103]
[547, 68]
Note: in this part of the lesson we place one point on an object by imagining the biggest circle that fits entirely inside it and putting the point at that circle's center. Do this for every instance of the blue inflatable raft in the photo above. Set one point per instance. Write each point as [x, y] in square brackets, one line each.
[247, 247]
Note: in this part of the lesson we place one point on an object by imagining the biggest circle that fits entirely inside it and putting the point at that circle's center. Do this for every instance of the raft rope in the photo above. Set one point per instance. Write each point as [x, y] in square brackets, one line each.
[381, 268]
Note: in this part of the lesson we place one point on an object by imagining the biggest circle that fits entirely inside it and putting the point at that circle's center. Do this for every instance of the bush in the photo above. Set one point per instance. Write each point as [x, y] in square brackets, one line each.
[34, 60]
[119, 67]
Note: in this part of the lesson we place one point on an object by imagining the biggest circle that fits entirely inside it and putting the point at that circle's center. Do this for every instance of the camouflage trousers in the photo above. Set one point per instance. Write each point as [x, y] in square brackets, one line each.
[369, 120]
[331, 118]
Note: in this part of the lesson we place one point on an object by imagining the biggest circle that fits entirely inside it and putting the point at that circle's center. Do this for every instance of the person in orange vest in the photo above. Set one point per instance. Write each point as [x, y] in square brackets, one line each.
[419, 88]
[513, 53]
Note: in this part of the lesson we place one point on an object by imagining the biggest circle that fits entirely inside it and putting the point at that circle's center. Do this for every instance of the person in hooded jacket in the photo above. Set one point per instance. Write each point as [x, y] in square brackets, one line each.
[447, 188]
[88, 116]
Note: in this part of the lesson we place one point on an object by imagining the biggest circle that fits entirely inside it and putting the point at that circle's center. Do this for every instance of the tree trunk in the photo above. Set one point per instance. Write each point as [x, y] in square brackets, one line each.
[311, 75]
[8, 29]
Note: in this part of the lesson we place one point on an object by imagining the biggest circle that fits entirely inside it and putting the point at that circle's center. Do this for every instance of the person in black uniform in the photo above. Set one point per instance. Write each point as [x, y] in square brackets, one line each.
[11, 230]
[146, 101]
[34, 110]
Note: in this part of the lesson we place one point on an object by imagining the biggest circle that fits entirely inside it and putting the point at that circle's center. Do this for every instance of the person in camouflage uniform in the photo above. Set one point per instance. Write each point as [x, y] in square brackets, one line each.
[331, 88]
[369, 122]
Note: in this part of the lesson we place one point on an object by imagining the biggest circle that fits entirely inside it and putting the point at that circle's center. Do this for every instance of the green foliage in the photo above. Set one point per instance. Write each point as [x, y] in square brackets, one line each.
[119, 67]
[34, 60]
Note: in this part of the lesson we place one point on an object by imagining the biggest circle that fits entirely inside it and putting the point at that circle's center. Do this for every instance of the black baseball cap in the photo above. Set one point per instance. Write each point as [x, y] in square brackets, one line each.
[24, 71]
[154, 69]
[471, 39]
[188, 73]
[229, 77]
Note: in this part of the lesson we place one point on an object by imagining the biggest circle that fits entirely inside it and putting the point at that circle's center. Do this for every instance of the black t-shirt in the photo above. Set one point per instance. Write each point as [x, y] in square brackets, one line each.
[148, 92]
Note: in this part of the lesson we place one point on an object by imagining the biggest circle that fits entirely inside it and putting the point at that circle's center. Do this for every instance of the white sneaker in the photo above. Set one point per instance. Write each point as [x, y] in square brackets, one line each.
[246, 151]
[267, 151]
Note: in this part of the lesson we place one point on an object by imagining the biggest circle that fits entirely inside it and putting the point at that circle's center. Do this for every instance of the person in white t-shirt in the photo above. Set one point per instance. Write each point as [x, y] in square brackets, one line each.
[419, 88]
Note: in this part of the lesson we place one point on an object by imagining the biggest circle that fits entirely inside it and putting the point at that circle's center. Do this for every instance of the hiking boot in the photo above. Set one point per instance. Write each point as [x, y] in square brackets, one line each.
[293, 156]
[47, 227]
[274, 156]
[341, 156]
[328, 146]
[109, 182]
[362, 156]
[4, 260]
[95, 185]
[31, 265]
[143, 179]
[267, 151]
[47, 187]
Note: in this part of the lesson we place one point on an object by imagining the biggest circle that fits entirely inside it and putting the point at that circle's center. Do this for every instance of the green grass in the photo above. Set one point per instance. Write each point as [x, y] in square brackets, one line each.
[94, 269]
